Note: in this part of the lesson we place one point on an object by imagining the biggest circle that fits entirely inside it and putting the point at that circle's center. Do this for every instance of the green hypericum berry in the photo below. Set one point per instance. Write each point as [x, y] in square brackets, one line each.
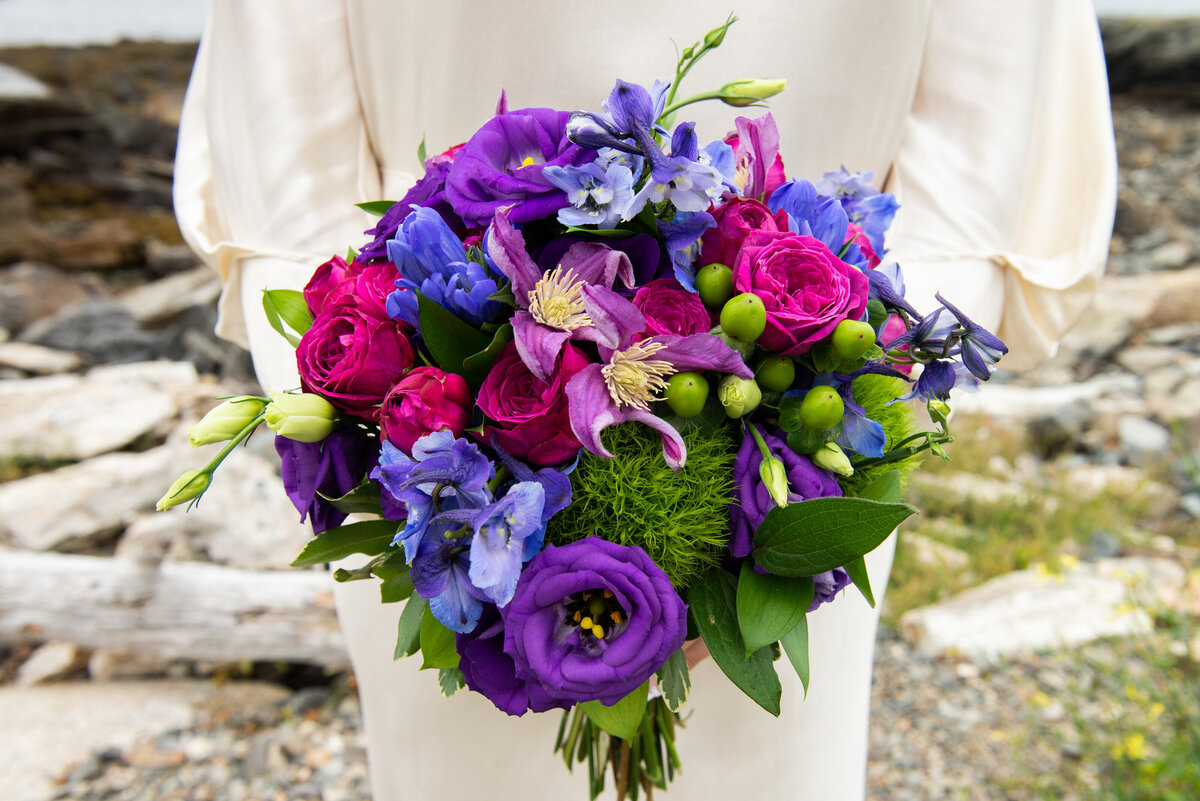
[744, 317]
[714, 282]
[686, 394]
[776, 373]
[822, 408]
[851, 339]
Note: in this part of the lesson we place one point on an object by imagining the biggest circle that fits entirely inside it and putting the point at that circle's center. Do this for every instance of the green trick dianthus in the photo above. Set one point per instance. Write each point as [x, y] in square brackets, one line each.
[873, 392]
[680, 519]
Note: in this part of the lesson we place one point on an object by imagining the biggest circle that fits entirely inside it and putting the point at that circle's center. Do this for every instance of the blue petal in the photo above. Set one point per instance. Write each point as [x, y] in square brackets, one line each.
[860, 433]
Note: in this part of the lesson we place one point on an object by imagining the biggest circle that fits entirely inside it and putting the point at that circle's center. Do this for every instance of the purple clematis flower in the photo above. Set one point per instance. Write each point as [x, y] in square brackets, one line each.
[592, 620]
[502, 164]
[758, 143]
[552, 307]
[633, 373]
[751, 499]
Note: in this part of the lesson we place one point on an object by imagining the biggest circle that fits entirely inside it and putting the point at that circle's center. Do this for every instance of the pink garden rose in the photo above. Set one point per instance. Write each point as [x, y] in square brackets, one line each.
[736, 220]
[354, 354]
[530, 415]
[426, 400]
[806, 289]
[669, 308]
[336, 278]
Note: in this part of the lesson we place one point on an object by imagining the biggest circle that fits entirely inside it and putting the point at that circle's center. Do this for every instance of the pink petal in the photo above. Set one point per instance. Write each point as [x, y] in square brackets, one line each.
[598, 264]
[506, 247]
[701, 352]
[615, 320]
[537, 344]
[674, 451]
[591, 408]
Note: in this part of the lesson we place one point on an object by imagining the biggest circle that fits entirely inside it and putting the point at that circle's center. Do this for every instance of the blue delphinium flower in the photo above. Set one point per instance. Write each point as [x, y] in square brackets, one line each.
[441, 574]
[810, 213]
[980, 347]
[508, 533]
[443, 485]
[432, 261]
[682, 178]
[865, 205]
[682, 238]
[599, 195]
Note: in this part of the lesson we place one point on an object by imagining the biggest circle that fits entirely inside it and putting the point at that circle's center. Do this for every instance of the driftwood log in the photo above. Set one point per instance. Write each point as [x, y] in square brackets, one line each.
[169, 610]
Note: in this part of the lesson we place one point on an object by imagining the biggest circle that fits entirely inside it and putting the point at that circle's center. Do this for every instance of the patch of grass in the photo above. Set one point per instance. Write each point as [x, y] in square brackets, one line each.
[1002, 518]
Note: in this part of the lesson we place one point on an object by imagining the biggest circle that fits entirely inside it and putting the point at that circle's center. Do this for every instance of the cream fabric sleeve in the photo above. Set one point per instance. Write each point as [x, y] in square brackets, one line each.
[1007, 171]
[272, 155]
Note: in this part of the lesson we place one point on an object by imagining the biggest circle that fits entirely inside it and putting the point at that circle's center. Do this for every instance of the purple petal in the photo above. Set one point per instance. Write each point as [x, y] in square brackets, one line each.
[761, 138]
[674, 451]
[506, 247]
[702, 352]
[538, 345]
[598, 264]
[591, 408]
[615, 320]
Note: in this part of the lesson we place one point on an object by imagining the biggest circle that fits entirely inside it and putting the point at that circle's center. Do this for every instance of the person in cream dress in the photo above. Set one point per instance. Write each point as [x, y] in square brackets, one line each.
[989, 121]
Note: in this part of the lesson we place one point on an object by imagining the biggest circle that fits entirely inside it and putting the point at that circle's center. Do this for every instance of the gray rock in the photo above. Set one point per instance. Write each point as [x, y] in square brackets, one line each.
[17, 85]
[48, 729]
[109, 665]
[71, 417]
[103, 331]
[1142, 359]
[931, 553]
[51, 662]
[1060, 429]
[1027, 611]
[1142, 441]
[1190, 503]
[161, 300]
[37, 360]
[1102, 545]
[84, 504]
[164, 259]
[29, 292]
[1171, 256]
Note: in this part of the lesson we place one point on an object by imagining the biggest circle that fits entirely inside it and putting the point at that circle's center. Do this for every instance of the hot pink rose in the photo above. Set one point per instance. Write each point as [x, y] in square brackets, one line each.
[530, 415]
[807, 290]
[671, 309]
[858, 236]
[336, 278]
[425, 400]
[736, 220]
[354, 354]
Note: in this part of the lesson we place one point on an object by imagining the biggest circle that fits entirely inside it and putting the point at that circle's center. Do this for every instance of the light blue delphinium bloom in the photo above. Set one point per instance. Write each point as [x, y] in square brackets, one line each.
[507, 533]
[441, 574]
[599, 195]
[865, 205]
[432, 261]
[682, 178]
[980, 347]
[682, 237]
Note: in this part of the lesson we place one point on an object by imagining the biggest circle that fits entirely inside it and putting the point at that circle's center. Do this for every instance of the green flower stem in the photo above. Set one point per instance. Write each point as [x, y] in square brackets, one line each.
[501, 477]
[211, 467]
[687, 101]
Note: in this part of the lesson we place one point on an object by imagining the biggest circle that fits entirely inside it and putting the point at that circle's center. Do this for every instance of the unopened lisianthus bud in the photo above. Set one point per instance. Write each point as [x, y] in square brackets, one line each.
[832, 458]
[188, 486]
[774, 477]
[226, 421]
[747, 92]
[939, 410]
[304, 418]
[739, 396]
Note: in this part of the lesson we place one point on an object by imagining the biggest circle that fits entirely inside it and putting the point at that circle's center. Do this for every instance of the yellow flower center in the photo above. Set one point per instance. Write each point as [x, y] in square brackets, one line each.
[557, 301]
[634, 378]
[741, 176]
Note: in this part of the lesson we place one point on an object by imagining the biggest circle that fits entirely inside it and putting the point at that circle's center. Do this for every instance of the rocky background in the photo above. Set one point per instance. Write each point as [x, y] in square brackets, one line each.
[160, 656]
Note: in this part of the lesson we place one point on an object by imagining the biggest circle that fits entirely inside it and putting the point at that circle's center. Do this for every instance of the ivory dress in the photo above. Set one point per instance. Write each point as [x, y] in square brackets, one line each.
[990, 121]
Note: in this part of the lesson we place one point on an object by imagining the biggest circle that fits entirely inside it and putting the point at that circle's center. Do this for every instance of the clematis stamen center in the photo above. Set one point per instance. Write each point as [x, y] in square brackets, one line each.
[557, 301]
[634, 378]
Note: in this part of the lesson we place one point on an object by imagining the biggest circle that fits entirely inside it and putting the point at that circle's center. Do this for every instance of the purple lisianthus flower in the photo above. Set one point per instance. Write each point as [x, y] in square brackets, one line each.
[751, 499]
[827, 585]
[331, 468]
[632, 374]
[637, 621]
[428, 191]
[492, 673]
[501, 165]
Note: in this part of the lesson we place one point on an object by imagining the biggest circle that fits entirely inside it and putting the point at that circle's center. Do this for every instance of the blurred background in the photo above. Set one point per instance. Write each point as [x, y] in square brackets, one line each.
[1040, 639]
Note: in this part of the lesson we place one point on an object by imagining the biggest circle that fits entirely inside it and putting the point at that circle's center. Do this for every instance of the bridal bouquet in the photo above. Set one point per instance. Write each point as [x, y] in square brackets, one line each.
[596, 392]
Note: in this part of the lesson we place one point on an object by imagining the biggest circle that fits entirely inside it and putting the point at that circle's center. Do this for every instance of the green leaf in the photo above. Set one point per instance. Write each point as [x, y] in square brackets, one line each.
[885, 489]
[768, 607]
[810, 537]
[807, 440]
[408, 632]
[623, 718]
[714, 607]
[351, 254]
[421, 150]
[287, 307]
[795, 645]
[675, 681]
[450, 340]
[606, 233]
[437, 644]
[450, 681]
[873, 354]
[395, 589]
[857, 571]
[363, 498]
[376, 207]
[477, 366]
[370, 537]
